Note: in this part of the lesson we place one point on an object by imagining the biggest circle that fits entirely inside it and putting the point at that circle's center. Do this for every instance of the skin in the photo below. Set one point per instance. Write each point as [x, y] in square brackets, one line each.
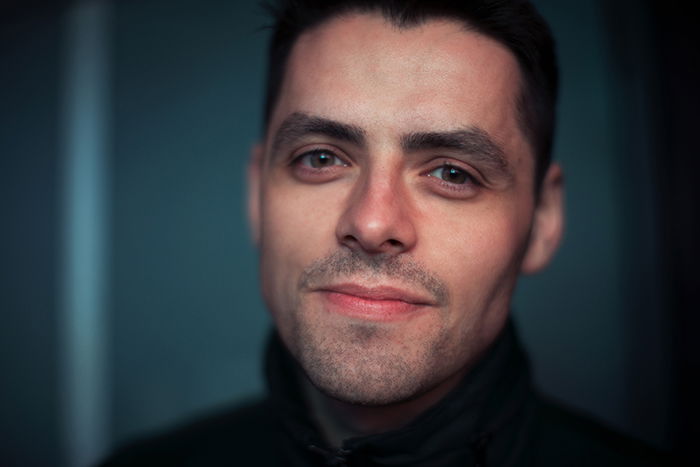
[447, 231]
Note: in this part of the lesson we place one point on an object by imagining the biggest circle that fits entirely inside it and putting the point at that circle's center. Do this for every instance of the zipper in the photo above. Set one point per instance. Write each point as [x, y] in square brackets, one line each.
[332, 457]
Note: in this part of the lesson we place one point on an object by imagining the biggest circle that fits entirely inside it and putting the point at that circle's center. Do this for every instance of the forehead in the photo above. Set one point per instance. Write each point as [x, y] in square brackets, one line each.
[362, 69]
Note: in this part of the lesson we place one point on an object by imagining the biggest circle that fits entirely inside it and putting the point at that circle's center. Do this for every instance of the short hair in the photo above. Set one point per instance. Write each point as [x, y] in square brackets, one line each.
[514, 23]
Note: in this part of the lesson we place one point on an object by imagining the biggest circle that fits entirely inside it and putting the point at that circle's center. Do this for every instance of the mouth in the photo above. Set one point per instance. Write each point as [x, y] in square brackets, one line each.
[376, 303]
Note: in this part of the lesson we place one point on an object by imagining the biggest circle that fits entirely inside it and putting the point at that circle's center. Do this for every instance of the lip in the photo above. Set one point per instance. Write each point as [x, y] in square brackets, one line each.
[378, 303]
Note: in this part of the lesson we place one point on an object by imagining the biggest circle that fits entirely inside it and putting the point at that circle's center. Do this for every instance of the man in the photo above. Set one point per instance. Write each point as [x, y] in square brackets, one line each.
[403, 184]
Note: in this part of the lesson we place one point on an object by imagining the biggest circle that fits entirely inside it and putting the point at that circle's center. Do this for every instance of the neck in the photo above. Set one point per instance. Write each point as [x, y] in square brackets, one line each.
[340, 420]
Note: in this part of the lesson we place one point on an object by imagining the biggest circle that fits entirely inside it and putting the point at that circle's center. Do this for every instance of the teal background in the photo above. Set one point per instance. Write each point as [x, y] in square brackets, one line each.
[185, 324]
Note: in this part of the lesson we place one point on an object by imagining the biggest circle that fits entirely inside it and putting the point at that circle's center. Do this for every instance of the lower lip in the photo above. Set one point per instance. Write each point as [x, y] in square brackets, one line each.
[369, 309]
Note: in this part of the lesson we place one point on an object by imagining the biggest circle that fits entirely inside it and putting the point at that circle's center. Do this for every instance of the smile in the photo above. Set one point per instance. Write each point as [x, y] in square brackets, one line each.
[380, 303]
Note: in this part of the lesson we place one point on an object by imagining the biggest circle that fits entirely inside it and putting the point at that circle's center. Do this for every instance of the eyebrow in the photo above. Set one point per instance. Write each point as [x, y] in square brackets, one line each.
[298, 125]
[471, 141]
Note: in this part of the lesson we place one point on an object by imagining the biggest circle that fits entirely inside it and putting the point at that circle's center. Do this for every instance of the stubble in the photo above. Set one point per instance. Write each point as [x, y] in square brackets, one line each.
[369, 363]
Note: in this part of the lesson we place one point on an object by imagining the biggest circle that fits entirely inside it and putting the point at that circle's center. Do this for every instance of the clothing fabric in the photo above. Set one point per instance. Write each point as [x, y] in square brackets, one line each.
[493, 418]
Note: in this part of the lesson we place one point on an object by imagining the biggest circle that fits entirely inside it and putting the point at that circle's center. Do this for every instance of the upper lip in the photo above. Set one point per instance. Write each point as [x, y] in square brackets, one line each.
[381, 292]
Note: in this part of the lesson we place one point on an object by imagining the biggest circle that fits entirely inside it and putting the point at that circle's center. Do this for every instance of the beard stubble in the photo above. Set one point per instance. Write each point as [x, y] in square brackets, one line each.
[368, 363]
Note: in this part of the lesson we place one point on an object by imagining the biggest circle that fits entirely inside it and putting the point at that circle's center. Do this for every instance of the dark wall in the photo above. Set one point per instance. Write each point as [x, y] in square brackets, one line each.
[29, 228]
[187, 323]
[678, 101]
[597, 320]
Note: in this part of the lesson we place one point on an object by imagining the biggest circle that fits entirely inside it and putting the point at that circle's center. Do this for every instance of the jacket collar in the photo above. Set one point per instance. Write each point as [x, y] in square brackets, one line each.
[485, 419]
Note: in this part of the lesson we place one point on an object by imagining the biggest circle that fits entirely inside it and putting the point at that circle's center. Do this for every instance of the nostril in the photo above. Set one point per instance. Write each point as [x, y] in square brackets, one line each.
[354, 242]
[350, 240]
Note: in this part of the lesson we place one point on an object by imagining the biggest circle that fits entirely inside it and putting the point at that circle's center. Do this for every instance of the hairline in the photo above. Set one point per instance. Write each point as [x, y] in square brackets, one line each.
[520, 102]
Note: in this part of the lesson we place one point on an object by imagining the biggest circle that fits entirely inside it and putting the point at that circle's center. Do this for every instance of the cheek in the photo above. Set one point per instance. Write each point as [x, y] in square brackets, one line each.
[296, 219]
[479, 252]
[296, 229]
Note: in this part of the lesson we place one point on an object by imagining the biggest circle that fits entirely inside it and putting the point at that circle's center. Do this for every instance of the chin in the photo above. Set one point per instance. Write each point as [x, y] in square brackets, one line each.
[364, 364]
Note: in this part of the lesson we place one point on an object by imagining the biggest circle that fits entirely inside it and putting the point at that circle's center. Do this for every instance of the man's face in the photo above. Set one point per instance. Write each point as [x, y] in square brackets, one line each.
[393, 204]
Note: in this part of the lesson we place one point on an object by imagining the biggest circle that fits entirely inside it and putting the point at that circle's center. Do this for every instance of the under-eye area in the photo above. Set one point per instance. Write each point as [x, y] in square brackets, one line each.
[453, 180]
[317, 164]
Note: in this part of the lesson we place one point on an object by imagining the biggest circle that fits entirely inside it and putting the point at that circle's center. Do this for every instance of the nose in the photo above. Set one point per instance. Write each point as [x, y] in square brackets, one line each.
[378, 216]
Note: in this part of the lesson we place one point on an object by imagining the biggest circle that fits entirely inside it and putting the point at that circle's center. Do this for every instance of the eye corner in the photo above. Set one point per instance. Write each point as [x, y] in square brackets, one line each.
[458, 182]
[336, 155]
[317, 164]
[452, 174]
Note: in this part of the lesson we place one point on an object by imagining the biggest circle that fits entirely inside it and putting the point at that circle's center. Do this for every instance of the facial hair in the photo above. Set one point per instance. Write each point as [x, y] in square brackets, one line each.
[363, 362]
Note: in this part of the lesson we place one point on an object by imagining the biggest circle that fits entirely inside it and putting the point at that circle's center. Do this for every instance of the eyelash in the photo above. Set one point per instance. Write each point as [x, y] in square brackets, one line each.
[470, 183]
[320, 151]
[302, 169]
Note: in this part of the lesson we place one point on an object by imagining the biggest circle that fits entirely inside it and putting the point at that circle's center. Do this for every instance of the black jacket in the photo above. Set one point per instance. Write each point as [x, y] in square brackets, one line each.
[493, 418]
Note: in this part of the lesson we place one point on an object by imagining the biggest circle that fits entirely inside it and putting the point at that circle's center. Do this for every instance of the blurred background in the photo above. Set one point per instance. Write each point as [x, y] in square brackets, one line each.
[129, 287]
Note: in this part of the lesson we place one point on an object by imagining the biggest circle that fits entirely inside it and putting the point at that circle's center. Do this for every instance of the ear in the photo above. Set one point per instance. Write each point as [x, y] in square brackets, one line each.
[254, 169]
[547, 224]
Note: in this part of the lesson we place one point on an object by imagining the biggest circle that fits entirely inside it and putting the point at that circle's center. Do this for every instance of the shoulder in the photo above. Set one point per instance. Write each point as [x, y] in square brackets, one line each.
[228, 437]
[564, 434]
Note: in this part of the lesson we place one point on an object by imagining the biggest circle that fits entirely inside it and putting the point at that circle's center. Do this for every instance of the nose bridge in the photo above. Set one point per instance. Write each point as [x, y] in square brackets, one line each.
[379, 192]
[377, 216]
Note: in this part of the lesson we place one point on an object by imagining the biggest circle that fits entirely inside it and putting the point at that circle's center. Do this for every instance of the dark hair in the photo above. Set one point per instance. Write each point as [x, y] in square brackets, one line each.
[514, 23]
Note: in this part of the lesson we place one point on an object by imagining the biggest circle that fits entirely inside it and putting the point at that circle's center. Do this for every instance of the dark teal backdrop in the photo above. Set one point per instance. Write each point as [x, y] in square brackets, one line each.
[182, 323]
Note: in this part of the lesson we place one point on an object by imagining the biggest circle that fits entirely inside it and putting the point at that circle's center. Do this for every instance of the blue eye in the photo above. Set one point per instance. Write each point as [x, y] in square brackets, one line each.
[320, 158]
[451, 174]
